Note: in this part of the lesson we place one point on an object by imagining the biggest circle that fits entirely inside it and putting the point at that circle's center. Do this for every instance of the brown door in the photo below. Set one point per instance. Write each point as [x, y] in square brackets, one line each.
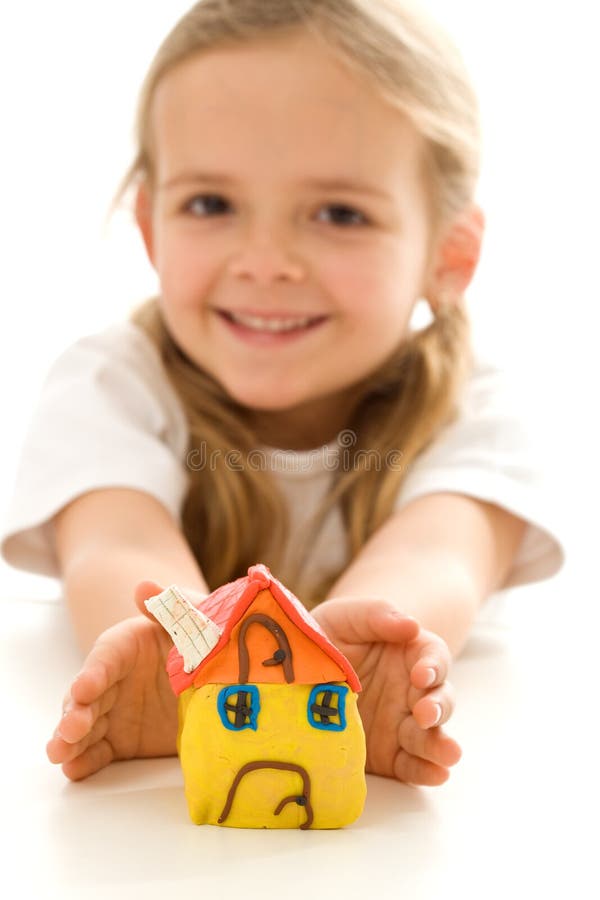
[278, 788]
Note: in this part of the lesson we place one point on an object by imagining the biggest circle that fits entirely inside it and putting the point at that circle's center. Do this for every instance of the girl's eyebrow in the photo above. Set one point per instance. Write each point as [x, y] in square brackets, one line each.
[348, 185]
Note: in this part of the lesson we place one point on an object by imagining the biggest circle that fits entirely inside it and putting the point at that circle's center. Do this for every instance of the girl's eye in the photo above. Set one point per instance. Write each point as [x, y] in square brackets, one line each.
[203, 205]
[206, 205]
[345, 215]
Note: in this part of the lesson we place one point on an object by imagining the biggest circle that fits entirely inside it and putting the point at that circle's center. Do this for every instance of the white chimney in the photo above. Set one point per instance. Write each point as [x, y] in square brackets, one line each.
[193, 633]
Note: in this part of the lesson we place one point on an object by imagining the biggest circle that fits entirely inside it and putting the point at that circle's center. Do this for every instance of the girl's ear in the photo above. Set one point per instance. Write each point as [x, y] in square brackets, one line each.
[143, 217]
[455, 258]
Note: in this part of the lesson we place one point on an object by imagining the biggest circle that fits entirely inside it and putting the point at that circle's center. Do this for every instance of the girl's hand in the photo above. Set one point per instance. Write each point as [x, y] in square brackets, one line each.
[405, 697]
[121, 705]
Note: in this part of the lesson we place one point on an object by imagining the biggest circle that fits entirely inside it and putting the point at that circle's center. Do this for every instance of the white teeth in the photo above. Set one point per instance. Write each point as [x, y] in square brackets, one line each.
[259, 324]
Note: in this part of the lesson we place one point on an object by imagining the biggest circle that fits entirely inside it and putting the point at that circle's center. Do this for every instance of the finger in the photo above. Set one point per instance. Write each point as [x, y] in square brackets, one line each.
[414, 770]
[436, 707]
[359, 621]
[60, 751]
[432, 663]
[94, 758]
[111, 659]
[79, 720]
[431, 744]
[57, 750]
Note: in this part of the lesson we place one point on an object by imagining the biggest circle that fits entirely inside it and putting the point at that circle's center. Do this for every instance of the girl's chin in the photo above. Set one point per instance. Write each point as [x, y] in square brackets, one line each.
[260, 402]
[264, 391]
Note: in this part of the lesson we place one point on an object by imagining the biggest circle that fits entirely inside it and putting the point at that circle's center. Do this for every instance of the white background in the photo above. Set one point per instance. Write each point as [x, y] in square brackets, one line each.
[69, 77]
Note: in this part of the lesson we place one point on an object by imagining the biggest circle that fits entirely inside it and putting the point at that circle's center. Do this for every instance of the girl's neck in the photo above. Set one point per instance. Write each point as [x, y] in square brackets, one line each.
[305, 427]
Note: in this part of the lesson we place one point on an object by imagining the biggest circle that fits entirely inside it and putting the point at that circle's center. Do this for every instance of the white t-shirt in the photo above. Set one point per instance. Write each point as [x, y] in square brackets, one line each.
[108, 417]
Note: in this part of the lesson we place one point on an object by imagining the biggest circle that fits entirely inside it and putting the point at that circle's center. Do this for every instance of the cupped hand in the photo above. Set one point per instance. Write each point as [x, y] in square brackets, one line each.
[121, 705]
[405, 696]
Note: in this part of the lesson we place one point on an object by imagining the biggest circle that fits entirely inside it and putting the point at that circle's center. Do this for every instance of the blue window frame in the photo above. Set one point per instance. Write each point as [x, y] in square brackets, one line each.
[327, 707]
[239, 706]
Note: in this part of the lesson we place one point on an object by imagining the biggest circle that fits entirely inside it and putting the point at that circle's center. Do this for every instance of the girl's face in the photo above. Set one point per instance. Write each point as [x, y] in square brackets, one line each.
[288, 225]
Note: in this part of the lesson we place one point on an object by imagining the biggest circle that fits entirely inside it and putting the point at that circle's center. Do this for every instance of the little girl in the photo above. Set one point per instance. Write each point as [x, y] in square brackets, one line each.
[273, 404]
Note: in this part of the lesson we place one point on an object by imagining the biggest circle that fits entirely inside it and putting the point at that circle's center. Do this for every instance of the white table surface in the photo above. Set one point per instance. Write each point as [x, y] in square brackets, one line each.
[518, 817]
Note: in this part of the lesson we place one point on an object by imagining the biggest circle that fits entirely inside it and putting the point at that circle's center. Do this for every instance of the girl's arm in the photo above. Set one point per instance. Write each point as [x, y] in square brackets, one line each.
[109, 540]
[437, 560]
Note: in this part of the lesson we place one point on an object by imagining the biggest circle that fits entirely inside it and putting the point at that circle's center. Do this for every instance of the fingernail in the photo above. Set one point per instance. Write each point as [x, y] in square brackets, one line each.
[438, 709]
[430, 677]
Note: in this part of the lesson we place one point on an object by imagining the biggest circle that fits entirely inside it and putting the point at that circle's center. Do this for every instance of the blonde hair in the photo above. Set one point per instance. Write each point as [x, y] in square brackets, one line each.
[233, 519]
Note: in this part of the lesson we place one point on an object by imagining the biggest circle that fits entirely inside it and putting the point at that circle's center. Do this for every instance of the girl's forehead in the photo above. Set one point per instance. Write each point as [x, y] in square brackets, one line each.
[280, 101]
[236, 71]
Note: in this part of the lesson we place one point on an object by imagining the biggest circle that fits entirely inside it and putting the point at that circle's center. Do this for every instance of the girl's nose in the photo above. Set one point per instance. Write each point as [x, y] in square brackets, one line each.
[265, 259]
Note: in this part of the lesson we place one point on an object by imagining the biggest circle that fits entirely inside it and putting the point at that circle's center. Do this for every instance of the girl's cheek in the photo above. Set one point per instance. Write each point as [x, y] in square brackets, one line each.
[353, 282]
[186, 274]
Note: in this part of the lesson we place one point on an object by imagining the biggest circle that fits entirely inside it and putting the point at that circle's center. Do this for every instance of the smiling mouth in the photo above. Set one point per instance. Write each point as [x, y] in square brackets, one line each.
[271, 324]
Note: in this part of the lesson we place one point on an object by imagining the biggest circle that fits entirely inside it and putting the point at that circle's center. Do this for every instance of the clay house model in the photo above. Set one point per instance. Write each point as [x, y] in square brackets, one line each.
[269, 731]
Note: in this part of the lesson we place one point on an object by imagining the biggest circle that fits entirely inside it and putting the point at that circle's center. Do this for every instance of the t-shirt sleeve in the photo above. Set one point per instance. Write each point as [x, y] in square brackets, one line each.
[495, 451]
[106, 417]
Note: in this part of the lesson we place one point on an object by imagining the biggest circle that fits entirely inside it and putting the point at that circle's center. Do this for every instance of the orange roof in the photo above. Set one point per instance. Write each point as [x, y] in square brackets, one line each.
[227, 605]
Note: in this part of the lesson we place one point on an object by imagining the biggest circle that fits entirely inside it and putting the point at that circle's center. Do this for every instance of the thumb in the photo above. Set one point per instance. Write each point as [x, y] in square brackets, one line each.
[365, 620]
[143, 591]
